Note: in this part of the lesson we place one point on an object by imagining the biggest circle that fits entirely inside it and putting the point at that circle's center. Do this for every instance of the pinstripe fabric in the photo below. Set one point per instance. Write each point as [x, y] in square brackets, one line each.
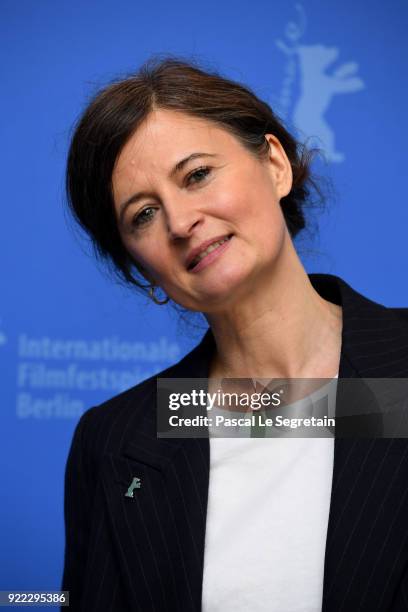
[146, 554]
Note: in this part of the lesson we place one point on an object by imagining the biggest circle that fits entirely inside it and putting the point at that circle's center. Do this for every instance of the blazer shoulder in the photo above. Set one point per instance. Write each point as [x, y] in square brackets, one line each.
[106, 427]
[401, 312]
[133, 405]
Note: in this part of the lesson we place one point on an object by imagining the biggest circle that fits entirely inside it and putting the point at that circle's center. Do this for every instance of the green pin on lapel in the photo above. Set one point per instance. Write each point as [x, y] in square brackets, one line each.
[135, 484]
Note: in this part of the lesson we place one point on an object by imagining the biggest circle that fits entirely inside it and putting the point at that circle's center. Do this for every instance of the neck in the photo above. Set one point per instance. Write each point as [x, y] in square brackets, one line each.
[282, 328]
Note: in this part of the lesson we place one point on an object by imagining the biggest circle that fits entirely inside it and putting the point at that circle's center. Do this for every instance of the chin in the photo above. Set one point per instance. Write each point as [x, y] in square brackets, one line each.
[220, 291]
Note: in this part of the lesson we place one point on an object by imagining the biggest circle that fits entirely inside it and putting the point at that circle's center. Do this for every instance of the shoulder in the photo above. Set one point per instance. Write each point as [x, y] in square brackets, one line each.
[129, 407]
[375, 336]
[401, 312]
[357, 307]
[107, 427]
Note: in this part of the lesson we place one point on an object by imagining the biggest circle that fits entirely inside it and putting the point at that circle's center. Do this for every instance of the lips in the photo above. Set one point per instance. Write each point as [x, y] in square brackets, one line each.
[197, 254]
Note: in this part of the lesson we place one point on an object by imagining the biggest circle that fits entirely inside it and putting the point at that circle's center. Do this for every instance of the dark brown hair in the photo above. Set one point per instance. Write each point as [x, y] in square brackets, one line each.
[117, 111]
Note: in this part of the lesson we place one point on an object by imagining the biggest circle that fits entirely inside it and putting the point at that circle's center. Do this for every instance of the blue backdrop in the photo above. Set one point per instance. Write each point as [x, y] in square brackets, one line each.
[69, 336]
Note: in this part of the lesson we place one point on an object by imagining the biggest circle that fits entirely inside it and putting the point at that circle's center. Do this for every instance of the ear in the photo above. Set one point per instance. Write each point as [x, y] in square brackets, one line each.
[279, 166]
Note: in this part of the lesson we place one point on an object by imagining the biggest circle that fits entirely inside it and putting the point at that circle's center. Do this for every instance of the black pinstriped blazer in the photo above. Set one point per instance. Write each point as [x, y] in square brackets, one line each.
[146, 554]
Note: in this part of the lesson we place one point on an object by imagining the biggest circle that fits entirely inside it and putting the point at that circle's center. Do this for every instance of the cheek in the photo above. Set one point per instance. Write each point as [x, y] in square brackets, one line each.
[254, 203]
[144, 258]
[230, 204]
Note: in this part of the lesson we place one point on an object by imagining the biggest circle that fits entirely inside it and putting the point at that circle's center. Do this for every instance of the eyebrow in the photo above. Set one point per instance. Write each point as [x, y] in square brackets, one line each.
[177, 168]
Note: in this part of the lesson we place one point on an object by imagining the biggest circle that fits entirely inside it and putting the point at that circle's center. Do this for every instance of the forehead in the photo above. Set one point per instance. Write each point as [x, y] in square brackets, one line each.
[167, 136]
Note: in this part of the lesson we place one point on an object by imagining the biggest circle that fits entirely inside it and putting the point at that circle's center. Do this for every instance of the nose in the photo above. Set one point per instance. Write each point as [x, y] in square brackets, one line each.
[181, 219]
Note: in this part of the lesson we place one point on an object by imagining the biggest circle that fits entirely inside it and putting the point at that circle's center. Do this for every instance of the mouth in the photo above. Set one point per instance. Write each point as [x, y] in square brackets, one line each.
[196, 261]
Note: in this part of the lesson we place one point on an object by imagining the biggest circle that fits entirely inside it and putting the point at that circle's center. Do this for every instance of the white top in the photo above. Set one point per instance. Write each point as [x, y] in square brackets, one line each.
[267, 517]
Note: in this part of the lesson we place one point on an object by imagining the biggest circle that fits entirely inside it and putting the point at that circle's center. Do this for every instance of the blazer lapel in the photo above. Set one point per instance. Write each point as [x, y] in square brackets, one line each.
[365, 555]
[159, 533]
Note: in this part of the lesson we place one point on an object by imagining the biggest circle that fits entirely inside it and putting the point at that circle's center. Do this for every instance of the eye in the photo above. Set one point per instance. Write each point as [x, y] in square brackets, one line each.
[143, 216]
[198, 175]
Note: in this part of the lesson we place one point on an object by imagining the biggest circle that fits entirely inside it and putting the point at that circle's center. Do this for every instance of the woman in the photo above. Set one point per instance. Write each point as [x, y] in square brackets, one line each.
[189, 180]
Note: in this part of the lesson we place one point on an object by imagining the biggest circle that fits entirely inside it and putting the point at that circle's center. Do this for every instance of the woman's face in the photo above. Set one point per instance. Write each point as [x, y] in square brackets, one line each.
[197, 211]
